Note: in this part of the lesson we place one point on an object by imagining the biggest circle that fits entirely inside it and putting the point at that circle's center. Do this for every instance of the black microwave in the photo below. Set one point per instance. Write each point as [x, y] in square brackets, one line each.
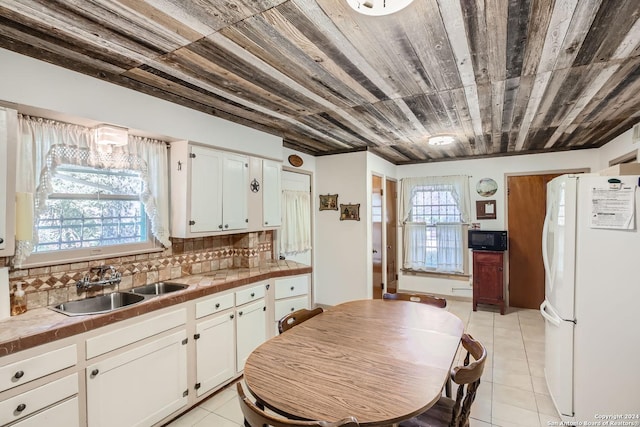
[487, 240]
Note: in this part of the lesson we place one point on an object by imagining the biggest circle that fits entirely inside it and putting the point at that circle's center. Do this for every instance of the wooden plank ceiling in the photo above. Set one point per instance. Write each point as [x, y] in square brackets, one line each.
[503, 76]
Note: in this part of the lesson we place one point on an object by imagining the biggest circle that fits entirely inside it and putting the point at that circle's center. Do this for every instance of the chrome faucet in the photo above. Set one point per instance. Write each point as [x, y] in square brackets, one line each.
[114, 277]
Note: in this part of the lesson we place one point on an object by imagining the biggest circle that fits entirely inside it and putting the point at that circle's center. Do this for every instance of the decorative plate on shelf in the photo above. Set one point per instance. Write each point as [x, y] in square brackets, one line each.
[295, 160]
[486, 187]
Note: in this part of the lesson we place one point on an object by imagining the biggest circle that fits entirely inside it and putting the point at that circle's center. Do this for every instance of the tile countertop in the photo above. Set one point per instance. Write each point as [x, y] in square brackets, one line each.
[42, 325]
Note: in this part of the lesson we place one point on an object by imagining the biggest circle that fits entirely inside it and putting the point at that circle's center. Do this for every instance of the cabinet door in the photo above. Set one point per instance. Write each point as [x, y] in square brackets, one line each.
[250, 330]
[271, 194]
[139, 387]
[215, 352]
[488, 275]
[206, 190]
[235, 192]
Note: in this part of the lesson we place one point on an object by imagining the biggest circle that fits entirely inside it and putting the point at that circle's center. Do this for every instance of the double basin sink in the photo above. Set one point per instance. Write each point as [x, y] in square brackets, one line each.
[116, 300]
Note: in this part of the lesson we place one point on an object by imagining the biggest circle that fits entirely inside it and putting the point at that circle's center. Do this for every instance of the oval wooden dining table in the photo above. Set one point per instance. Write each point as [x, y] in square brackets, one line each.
[379, 361]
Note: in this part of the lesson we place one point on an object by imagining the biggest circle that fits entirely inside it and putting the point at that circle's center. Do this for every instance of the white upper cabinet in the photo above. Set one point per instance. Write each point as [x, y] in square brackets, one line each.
[209, 190]
[8, 134]
[272, 193]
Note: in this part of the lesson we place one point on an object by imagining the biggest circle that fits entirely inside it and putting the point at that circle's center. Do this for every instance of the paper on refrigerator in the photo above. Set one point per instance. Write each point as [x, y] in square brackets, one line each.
[613, 206]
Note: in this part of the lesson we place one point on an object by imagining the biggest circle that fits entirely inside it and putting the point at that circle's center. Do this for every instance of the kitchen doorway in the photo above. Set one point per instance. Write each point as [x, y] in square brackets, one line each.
[527, 202]
[376, 235]
[391, 220]
[296, 181]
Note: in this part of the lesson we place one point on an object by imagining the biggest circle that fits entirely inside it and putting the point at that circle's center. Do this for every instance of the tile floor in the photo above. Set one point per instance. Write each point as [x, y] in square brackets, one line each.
[513, 391]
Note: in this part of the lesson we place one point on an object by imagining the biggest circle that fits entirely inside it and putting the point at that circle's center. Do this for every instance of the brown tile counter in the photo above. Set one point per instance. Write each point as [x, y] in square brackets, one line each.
[43, 325]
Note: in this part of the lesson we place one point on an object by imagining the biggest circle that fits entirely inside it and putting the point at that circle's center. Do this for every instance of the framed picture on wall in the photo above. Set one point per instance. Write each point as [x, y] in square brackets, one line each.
[350, 212]
[329, 202]
[486, 209]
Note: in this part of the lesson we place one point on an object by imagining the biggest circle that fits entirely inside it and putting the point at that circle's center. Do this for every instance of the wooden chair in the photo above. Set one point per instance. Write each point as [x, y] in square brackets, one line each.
[455, 413]
[421, 298]
[256, 417]
[297, 317]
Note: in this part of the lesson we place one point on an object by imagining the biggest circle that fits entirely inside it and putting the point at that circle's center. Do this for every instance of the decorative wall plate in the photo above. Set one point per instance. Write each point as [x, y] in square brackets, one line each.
[295, 160]
[486, 187]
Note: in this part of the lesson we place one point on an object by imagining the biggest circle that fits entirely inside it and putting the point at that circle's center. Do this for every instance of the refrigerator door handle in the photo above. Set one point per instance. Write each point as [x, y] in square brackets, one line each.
[549, 314]
[545, 254]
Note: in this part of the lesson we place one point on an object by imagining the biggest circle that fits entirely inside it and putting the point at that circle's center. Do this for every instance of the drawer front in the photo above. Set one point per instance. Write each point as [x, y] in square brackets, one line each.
[63, 414]
[37, 399]
[214, 305]
[287, 306]
[129, 334]
[251, 294]
[30, 369]
[292, 286]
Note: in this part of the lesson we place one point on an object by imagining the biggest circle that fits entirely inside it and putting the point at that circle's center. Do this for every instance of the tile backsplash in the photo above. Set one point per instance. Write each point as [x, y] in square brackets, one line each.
[55, 284]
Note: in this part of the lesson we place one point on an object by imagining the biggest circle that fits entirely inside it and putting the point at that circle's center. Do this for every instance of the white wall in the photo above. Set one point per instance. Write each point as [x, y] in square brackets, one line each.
[618, 146]
[30, 82]
[341, 246]
[497, 168]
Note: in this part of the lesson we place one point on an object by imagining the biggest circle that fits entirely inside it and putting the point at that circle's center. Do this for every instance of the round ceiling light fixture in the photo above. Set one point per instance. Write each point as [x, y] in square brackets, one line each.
[441, 140]
[378, 7]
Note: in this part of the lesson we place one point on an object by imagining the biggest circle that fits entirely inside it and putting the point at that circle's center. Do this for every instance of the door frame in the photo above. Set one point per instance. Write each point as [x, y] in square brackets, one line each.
[506, 208]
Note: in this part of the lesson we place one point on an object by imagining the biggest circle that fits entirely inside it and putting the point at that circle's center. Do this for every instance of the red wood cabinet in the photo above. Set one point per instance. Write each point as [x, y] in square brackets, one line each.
[488, 279]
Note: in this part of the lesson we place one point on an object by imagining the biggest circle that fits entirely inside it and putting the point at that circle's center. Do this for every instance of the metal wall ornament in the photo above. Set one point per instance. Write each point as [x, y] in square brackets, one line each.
[255, 186]
[350, 212]
[328, 202]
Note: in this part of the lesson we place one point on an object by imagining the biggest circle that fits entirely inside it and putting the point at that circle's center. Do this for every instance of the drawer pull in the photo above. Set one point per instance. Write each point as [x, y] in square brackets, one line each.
[18, 375]
[239, 313]
[21, 407]
[231, 316]
[293, 287]
[217, 305]
[293, 309]
[253, 294]
[95, 372]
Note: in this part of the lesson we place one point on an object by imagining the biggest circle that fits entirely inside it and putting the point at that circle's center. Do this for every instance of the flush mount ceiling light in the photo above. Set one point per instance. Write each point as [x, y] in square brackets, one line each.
[378, 7]
[111, 135]
[441, 140]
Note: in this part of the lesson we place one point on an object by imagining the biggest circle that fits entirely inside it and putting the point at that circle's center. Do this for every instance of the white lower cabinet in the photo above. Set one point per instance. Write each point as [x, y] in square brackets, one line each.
[64, 414]
[291, 294]
[138, 387]
[215, 351]
[250, 330]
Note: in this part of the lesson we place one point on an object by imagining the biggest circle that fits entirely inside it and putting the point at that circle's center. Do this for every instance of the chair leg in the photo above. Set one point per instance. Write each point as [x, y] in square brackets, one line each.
[447, 388]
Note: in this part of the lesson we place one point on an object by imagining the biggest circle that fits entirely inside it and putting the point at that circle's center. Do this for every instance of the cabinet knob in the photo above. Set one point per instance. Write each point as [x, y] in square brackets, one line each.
[18, 375]
[1, 240]
[293, 287]
[253, 294]
[95, 372]
[239, 313]
[266, 223]
[217, 305]
[220, 226]
[293, 309]
[231, 316]
[21, 407]
[226, 226]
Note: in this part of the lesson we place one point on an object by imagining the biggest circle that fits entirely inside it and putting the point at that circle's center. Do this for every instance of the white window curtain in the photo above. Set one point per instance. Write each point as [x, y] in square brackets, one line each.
[450, 247]
[295, 235]
[44, 144]
[449, 238]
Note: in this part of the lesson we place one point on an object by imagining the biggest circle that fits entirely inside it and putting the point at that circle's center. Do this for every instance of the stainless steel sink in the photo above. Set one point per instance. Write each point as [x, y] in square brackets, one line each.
[159, 288]
[99, 304]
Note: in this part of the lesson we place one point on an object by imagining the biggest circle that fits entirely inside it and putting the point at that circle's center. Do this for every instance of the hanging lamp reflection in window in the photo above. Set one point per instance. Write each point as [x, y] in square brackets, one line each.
[378, 7]
[111, 135]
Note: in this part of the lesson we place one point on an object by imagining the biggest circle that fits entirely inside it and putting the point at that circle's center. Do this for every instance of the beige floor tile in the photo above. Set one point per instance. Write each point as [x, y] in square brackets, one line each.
[484, 391]
[231, 411]
[511, 351]
[536, 369]
[516, 366]
[482, 333]
[549, 420]
[481, 410]
[508, 378]
[532, 335]
[213, 403]
[505, 333]
[545, 405]
[540, 385]
[505, 415]
[190, 418]
[535, 355]
[215, 420]
[476, 423]
[514, 396]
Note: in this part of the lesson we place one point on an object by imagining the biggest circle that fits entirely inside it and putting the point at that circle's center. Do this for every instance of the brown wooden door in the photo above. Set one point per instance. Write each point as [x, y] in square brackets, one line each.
[376, 235]
[391, 197]
[527, 206]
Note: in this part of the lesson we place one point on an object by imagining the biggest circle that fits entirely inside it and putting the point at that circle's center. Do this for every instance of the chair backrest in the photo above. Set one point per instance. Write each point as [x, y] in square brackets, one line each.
[256, 417]
[297, 317]
[467, 376]
[421, 298]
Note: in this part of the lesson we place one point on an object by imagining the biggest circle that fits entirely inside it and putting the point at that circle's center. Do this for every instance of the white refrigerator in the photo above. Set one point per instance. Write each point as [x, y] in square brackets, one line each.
[591, 252]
